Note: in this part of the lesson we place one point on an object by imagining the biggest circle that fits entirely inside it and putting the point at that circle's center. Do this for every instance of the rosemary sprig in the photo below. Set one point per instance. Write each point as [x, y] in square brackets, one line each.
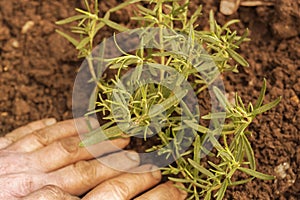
[153, 107]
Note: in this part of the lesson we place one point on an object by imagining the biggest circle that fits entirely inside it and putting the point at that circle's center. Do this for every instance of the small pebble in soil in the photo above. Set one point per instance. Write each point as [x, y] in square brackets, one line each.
[295, 99]
[228, 7]
[4, 114]
[5, 68]
[281, 169]
[27, 26]
[15, 44]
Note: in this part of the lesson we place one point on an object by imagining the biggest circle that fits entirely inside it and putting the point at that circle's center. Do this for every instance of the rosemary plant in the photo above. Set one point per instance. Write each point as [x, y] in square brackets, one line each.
[133, 113]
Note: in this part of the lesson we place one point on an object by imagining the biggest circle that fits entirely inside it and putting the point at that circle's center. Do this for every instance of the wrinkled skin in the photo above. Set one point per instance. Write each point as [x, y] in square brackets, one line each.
[43, 160]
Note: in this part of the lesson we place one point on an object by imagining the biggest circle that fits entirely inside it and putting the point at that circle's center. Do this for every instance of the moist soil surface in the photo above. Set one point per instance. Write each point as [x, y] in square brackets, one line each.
[38, 68]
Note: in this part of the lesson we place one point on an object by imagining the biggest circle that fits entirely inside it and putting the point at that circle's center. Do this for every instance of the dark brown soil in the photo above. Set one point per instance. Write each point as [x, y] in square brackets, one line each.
[38, 68]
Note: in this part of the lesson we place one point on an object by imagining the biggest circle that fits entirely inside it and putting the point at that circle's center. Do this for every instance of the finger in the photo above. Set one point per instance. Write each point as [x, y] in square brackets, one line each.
[50, 192]
[20, 184]
[25, 130]
[126, 186]
[164, 191]
[67, 151]
[58, 155]
[79, 178]
[46, 136]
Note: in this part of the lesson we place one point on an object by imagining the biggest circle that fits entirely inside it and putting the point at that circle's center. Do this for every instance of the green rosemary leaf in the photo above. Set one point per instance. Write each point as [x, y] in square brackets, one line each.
[208, 195]
[144, 19]
[146, 10]
[240, 182]
[197, 149]
[70, 19]
[86, 3]
[237, 57]
[210, 39]
[99, 135]
[250, 108]
[196, 126]
[79, 30]
[261, 95]
[240, 102]
[201, 168]
[93, 99]
[221, 97]
[195, 15]
[221, 191]
[239, 153]
[266, 107]
[150, 18]
[68, 37]
[242, 38]
[182, 188]
[83, 43]
[215, 166]
[99, 26]
[179, 180]
[229, 23]
[87, 13]
[161, 67]
[123, 5]
[196, 194]
[164, 138]
[96, 6]
[187, 111]
[212, 21]
[240, 129]
[219, 115]
[256, 174]
[166, 104]
[114, 25]
[249, 152]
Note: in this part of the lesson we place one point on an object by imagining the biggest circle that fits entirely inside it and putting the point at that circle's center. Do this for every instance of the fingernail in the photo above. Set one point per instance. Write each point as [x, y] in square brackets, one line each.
[50, 121]
[70, 144]
[155, 172]
[133, 156]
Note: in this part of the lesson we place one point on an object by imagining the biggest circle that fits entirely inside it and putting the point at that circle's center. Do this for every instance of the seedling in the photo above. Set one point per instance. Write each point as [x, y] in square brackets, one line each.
[162, 107]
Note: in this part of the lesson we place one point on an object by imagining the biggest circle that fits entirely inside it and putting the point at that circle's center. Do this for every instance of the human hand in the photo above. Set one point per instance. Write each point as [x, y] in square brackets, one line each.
[43, 161]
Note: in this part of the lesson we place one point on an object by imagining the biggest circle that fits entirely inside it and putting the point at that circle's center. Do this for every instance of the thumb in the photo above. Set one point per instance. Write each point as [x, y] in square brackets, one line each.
[50, 192]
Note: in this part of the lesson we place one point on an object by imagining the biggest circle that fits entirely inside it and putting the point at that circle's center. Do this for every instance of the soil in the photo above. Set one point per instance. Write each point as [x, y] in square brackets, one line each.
[38, 68]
